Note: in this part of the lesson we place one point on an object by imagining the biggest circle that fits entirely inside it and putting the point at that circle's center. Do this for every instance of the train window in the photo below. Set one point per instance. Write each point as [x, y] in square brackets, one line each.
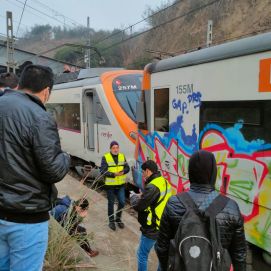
[67, 115]
[248, 117]
[127, 90]
[161, 109]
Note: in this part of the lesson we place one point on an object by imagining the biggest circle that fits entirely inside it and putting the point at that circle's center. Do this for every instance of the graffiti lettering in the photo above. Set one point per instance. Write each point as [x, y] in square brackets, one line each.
[108, 135]
[195, 98]
[179, 105]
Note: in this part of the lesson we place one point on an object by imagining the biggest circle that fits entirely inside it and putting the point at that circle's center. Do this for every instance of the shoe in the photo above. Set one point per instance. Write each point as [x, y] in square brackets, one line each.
[93, 253]
[120, 224]
[112, 226]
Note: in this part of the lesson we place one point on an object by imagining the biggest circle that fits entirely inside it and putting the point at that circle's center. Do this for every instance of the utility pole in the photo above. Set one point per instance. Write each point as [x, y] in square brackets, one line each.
[209, 33]
[87, 55]
[10, 43]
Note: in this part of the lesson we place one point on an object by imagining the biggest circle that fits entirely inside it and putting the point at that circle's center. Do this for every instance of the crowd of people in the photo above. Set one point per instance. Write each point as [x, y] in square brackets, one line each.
[32, 161]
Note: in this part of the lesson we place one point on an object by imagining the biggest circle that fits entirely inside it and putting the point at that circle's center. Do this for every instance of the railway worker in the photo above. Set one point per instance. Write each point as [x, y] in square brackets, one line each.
[202, 175]
[31, 161]
[115, 168]
[150, 205]
[8, 80]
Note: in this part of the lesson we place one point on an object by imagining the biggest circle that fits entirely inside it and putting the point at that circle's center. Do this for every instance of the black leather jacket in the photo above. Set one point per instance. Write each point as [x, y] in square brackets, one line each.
[31, 159]
[229, 220]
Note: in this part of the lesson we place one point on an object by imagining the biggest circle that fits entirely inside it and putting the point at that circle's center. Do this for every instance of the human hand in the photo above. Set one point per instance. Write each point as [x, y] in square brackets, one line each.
[119, 173]
[131, 194]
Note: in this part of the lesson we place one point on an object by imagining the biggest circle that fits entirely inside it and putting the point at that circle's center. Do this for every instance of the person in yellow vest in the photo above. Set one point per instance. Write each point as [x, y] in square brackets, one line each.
[115, 169]
[150, 205]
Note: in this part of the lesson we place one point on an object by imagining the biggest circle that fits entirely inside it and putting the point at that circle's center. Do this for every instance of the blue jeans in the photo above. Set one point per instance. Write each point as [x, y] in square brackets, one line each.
[111, 194]
[144, 248]
[22, 246]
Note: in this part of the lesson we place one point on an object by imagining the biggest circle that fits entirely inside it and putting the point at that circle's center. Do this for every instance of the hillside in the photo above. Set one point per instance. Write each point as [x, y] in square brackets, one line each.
[231, 20]
[187, 30]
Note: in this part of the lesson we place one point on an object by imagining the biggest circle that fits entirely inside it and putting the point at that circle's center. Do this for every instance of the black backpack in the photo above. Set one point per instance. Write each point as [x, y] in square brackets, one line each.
[196, 245]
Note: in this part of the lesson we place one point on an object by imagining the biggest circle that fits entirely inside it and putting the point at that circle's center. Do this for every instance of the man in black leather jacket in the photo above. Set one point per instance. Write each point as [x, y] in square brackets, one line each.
[31, 161]
[202, 175]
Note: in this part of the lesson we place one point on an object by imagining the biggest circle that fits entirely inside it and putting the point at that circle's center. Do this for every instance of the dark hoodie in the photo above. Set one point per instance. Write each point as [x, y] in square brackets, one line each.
[202, 168]
[202, 175]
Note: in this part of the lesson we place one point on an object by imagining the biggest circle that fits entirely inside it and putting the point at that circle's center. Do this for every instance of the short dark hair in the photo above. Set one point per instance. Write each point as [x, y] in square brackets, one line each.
[8, 79]
[82, 203]
[36, 78]
[151, 165]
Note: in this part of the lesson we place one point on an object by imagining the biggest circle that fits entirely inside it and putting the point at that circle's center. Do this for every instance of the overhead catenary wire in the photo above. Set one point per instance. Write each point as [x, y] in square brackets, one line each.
[137, 23]
[169, 21]
[21, 17]
[57, 13]
[41, 12]
[160, 25]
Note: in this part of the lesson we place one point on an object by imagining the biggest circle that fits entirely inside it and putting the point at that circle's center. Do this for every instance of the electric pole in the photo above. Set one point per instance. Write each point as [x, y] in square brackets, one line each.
[210, 33]
[10, 43]
[87, 55]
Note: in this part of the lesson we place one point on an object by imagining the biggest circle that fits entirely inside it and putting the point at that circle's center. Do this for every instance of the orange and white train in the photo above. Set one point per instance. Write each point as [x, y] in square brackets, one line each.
[94, 108]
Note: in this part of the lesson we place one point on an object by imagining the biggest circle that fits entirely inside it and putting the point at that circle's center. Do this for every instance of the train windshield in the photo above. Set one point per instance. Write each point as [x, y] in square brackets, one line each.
[127, 90]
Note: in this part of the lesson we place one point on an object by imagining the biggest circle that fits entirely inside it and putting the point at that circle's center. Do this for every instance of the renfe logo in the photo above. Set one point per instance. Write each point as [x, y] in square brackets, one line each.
[265, 75]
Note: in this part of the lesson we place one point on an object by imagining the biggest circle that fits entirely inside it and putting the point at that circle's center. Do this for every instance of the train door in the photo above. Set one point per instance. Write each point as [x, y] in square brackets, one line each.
[90, 118]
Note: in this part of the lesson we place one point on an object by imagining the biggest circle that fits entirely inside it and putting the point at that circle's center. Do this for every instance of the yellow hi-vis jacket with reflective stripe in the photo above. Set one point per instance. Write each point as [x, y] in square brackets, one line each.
[165, 189]
[112, 167]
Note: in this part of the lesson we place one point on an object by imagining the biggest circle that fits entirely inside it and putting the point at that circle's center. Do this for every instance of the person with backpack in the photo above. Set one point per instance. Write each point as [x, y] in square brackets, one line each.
[200, 229]
[150, 205]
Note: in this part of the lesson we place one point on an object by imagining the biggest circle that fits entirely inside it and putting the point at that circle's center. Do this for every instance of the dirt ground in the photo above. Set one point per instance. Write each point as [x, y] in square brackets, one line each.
[117, 249]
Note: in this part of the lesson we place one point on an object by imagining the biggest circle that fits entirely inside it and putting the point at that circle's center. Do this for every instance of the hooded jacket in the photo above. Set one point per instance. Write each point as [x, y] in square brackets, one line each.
[202, 175]
[31, 159]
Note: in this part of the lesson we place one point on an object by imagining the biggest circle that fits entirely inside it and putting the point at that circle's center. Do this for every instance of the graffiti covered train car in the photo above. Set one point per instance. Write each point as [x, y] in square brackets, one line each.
[217, 99]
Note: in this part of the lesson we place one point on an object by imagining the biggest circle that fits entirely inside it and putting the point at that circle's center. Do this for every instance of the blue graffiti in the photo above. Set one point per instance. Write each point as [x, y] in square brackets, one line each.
[187, 142]
[236, 139]
[195, 98]
[182, 106]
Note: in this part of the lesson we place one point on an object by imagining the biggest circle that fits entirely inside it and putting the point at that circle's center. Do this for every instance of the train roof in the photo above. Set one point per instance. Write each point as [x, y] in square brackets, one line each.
[81, 78]
[242, 47]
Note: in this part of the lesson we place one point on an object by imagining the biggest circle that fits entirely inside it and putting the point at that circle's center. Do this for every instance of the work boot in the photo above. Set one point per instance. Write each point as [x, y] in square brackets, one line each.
[120, 223]
[93, 253]
[112, 226]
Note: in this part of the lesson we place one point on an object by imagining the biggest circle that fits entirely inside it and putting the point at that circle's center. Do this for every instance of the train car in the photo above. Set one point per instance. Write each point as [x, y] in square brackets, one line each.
[217, 99]
[96, 107]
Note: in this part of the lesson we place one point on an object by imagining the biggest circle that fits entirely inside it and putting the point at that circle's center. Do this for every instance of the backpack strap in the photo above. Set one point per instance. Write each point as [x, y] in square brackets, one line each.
[217, 205]
[187, 201]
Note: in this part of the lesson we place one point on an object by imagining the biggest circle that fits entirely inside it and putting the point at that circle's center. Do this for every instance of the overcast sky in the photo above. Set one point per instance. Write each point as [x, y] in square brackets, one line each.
[104, 14]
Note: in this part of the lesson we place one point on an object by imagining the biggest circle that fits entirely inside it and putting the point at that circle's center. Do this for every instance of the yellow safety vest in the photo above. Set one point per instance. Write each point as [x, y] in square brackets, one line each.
[112, 167]
[165, 193]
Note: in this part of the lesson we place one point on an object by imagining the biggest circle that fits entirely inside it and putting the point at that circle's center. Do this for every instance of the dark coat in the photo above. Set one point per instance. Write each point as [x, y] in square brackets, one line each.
[149, 197]
[229, 220]
[31, 159]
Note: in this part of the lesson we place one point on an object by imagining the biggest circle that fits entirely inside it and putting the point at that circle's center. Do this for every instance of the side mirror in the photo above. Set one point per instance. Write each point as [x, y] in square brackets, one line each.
[140, 112]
